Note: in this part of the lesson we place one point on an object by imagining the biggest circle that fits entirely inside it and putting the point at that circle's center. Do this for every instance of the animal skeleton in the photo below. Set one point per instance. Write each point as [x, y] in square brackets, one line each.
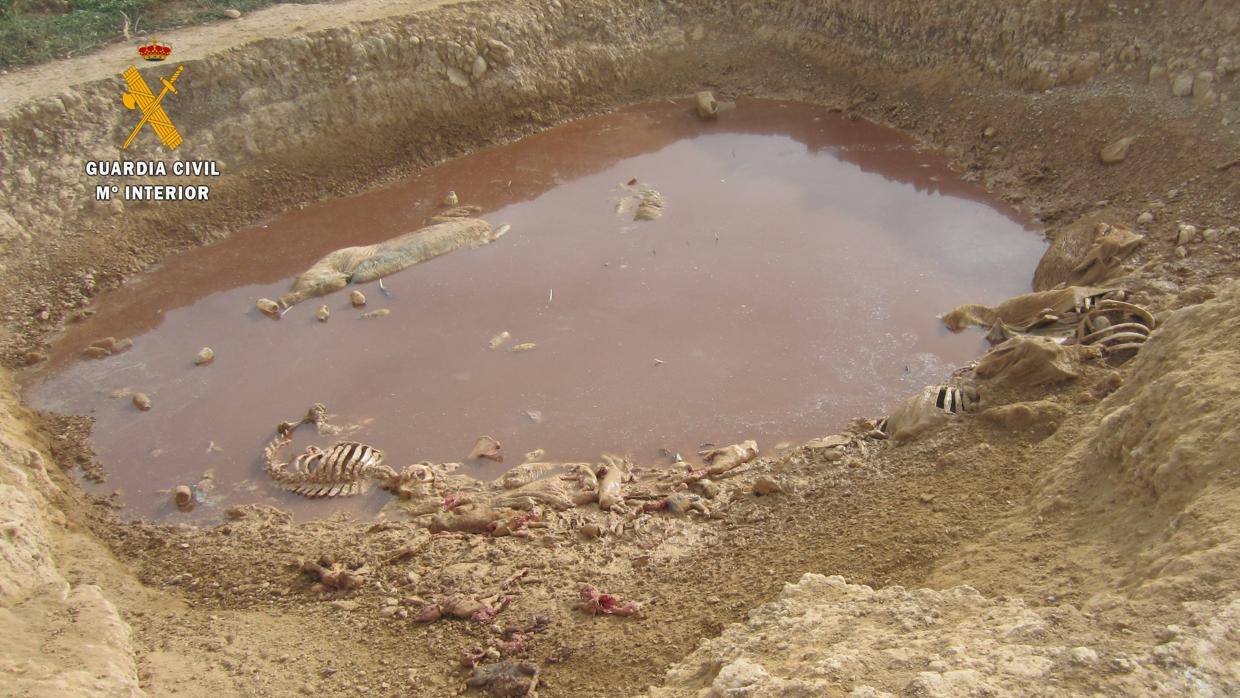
[345, 468]
[1115, 326]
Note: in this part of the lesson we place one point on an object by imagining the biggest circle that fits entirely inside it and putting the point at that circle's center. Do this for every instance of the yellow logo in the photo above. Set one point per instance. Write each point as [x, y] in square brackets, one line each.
[140, 96]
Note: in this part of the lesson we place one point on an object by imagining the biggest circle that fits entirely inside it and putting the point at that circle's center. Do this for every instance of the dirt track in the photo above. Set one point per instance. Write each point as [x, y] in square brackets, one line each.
[1109, 530]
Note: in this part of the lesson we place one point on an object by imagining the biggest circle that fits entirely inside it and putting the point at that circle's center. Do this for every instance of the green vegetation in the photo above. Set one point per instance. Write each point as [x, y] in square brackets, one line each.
[33, 31]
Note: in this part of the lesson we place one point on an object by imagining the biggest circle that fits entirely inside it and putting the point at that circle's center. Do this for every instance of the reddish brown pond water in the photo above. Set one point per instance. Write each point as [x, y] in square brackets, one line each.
[793, 282]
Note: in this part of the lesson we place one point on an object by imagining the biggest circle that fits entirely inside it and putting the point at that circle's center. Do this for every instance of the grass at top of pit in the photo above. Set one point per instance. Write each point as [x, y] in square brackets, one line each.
[36, 31]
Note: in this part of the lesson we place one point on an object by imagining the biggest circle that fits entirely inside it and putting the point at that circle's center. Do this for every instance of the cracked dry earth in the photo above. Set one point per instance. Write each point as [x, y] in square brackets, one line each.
[1070, 537]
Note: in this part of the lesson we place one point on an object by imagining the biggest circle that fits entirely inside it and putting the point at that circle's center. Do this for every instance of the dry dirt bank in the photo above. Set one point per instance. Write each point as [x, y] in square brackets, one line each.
[1110, 535]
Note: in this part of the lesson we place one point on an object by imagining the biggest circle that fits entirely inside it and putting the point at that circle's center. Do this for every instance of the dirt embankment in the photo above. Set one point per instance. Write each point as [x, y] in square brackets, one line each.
[1110, 536]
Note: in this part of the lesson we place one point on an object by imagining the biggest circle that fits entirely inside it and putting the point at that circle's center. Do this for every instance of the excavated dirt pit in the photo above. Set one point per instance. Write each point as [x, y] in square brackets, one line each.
[792, 282]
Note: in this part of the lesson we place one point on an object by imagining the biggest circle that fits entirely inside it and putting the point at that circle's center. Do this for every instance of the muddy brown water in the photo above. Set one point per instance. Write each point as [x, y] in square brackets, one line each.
[792, 283]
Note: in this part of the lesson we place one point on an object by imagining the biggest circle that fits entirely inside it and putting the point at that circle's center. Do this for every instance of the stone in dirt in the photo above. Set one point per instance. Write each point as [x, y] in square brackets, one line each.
[1116, 151]
[232, 14]
[142, 402]
[357, 299]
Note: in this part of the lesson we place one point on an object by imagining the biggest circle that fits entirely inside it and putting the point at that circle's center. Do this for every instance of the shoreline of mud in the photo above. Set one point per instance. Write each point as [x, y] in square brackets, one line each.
[1059, 511]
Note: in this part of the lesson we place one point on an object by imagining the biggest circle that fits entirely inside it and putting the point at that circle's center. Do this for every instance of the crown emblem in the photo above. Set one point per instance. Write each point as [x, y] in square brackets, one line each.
[154, 51]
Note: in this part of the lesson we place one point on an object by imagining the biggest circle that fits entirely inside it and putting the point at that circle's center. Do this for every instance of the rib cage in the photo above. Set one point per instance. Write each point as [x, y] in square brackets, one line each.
[1115, 326]
[345, 468]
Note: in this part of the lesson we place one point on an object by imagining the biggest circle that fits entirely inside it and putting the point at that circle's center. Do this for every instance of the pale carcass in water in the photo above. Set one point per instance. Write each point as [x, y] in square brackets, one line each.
[372, 262]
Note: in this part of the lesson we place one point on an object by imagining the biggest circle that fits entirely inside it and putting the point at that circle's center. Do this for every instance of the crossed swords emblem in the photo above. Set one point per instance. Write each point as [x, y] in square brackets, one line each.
[140, 96]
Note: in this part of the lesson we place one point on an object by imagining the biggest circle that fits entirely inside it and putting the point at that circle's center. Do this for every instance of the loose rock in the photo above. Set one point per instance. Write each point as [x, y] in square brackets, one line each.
[357, 298]
[232, 14]
[451, 199]
[1145, 218]
[205, 356]
[1117, 151]
[142, 402]
[323, 313]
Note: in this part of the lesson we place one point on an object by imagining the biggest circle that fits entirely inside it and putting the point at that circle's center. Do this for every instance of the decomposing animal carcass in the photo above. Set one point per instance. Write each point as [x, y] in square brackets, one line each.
[1043, 312]
[331, 576]
[611, 476]
[372, 262]
[465, 608]
[927, 410]
[1112, 245]
[596, 603]
[506, 679]
[344, 468]
[721, 460]
[1085, 252]
[708, 107]
[679, 503]
[643, 201]
[1033, 361]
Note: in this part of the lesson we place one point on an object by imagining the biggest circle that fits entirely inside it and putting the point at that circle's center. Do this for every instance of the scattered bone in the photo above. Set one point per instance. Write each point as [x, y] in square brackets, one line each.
[357, 298]
[323, 313]
[268, 307]
[721, 460]
[521, 348]
[205, 356]
[381, 312]
[141, 401]
[506, 679]
[534, 416]
[499, 339]
[183, 497]
[596, 603]
[212, 447]
[486, 447]
[535, 455]
[120, 392]
[451, 199]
